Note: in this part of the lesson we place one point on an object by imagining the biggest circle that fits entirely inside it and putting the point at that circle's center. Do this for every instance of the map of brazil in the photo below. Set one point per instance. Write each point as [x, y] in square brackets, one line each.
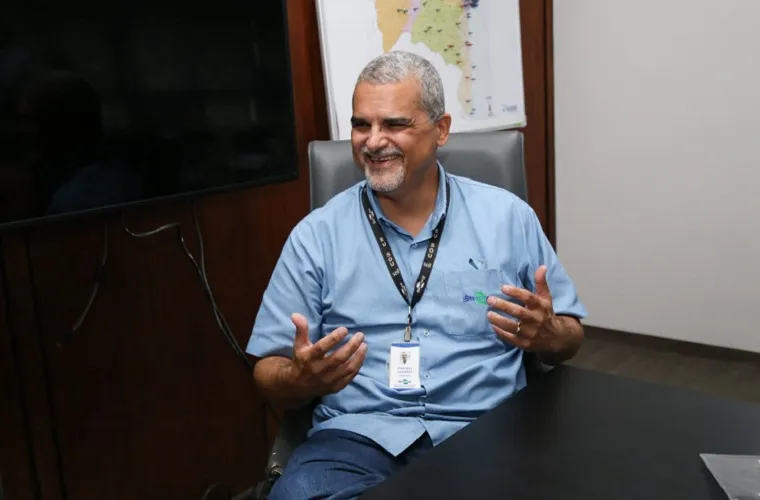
[474, 44]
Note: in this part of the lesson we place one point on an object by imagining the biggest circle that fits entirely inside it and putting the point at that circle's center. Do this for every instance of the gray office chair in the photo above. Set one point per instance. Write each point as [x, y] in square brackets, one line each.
[495, 158]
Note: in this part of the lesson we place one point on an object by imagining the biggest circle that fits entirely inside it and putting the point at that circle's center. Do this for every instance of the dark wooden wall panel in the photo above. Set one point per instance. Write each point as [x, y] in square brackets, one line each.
[550, 156]
[533, 30]
[147, 397]
[16, 466]
[32, 365]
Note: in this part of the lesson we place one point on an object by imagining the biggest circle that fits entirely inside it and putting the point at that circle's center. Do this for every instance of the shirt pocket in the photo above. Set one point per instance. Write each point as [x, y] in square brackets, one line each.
[465, 305]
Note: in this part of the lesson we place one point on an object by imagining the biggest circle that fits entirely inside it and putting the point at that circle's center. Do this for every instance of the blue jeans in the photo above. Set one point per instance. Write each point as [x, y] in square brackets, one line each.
[334, 464]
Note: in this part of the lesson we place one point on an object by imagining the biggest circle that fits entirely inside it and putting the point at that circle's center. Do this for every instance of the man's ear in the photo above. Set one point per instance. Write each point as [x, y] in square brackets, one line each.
[444, 126]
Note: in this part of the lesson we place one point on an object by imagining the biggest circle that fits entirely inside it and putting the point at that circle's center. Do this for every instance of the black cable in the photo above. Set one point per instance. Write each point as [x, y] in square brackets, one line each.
[221, 321]
[97, 280]
[200, 270]
[214, 486]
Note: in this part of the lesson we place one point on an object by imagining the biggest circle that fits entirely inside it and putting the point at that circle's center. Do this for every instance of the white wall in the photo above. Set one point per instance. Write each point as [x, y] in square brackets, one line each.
[658, 164]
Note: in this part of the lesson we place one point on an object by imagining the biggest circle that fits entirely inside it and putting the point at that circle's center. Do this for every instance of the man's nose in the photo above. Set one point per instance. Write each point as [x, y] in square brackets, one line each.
[376, 139]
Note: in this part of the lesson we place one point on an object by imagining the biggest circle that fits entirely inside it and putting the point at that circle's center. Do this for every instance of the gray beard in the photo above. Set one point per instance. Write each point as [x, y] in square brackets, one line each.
[385, 183]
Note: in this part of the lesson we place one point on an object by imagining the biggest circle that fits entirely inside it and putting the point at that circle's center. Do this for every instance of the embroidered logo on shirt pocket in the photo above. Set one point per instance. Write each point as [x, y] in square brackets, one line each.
[465, 300]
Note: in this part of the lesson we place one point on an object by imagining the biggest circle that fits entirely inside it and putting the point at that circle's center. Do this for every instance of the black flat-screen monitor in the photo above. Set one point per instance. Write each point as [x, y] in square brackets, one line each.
[111, 104]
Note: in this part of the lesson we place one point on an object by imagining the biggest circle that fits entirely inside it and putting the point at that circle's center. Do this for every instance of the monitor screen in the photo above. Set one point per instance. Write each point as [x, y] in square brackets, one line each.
[104, 104]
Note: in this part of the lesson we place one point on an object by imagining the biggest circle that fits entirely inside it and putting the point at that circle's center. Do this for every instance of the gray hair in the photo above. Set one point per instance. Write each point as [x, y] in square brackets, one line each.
[397, 66]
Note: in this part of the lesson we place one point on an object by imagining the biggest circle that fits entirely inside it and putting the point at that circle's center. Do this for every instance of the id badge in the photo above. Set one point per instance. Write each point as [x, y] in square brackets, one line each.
[404, 365]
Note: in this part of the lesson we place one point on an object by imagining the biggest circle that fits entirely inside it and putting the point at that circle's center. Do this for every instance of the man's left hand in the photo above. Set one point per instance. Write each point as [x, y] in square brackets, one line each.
[538, 329]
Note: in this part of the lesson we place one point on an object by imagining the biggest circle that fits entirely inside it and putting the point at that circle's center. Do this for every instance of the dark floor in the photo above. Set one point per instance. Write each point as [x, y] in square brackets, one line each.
[718, 371]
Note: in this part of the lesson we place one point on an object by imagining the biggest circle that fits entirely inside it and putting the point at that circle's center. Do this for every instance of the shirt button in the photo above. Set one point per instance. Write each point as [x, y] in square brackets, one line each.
[427, 374]
[427, 332]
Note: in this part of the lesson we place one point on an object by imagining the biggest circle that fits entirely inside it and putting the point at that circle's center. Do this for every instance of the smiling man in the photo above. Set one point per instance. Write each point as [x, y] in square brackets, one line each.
[403, 307]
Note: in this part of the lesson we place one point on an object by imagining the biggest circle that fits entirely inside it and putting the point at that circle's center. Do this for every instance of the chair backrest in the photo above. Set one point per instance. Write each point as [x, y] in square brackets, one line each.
[494, 158]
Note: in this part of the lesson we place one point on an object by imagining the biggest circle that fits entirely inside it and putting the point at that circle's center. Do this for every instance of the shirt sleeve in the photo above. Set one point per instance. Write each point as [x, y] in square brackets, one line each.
[564, 295]
[295, 287]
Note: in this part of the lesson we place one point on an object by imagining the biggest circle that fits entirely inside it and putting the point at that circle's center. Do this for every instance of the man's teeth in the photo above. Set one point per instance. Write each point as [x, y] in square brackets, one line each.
[383, 158]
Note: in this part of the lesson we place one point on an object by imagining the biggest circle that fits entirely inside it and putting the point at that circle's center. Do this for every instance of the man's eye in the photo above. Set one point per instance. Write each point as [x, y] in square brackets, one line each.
[397, 126]
[360, 126]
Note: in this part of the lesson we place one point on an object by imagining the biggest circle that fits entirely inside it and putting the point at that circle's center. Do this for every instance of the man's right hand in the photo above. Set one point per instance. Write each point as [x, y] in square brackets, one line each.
[319, 373]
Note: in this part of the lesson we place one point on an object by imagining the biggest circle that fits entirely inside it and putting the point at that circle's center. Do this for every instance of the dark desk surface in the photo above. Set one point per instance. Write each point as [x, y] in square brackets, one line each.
[582, 435]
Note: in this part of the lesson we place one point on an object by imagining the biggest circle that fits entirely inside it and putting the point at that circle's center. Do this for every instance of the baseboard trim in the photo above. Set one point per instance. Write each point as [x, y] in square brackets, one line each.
[672, 345]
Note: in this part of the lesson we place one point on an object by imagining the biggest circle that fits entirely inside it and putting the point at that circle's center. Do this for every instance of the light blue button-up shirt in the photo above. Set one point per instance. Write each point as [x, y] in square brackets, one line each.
[332, 272]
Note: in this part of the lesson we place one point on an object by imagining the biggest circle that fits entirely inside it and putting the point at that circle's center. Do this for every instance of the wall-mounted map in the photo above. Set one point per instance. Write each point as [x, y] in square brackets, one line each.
[474, 44]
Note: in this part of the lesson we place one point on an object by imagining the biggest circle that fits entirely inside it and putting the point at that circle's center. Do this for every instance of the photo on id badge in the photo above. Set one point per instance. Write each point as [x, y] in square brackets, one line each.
[404, 365]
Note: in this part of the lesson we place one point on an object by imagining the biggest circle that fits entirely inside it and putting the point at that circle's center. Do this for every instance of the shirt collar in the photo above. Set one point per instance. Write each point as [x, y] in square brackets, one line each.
[440, 200]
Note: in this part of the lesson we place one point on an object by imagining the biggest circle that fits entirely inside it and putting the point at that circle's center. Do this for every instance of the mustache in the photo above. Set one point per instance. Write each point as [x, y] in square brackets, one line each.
[380, 152]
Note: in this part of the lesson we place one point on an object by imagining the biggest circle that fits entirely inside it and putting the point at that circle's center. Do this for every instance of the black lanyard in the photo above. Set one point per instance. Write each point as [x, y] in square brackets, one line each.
[390, 261]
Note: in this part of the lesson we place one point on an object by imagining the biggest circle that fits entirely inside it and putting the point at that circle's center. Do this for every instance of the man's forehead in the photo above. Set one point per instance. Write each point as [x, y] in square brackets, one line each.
[387, 98]
[404, 85]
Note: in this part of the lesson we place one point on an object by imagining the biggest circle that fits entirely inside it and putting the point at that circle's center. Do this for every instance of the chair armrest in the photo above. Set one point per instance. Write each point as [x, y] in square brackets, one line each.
[534, 368]
[292, 432]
